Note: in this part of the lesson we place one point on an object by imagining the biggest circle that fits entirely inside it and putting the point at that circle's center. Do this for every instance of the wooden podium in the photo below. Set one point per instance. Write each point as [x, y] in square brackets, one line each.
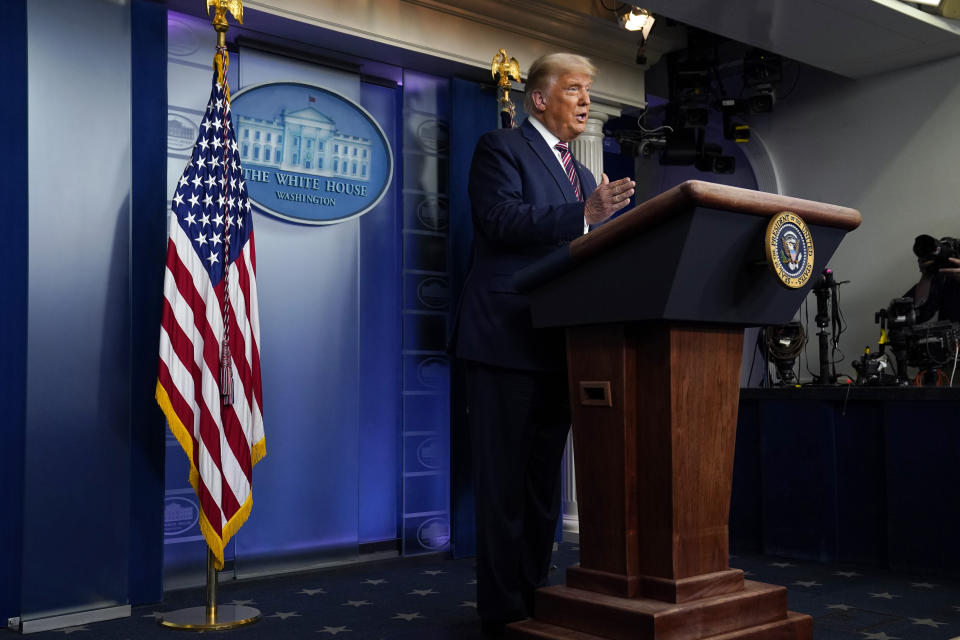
[655, 303]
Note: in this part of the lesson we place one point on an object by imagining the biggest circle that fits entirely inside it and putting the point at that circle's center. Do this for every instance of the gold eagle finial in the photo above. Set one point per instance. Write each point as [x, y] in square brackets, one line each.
[507, 68]
[235, 7]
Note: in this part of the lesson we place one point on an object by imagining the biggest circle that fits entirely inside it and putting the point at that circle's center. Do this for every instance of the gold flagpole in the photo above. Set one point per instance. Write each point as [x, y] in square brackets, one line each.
[212, 617]
[506, 68]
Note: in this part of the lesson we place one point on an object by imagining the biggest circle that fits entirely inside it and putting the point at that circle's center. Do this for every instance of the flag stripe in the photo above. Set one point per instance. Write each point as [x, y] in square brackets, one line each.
[191, 376]
[248, 277]
[181, 407]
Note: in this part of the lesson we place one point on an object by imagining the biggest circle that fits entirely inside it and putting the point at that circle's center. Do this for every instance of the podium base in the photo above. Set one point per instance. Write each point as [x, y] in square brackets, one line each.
[223, 617]
[758, 612]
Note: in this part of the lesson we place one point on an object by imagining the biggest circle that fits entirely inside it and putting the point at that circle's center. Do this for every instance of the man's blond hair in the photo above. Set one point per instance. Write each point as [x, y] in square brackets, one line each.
[546, 69]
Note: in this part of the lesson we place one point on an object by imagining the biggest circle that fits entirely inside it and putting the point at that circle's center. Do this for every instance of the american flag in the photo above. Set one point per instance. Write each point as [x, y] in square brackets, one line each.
[210, 391]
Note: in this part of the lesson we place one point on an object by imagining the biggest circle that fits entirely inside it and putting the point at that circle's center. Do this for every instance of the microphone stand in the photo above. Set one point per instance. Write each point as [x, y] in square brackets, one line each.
[825, 288]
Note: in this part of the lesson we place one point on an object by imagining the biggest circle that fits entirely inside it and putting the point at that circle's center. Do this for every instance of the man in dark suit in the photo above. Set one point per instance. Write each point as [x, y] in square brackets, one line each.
[528, 196]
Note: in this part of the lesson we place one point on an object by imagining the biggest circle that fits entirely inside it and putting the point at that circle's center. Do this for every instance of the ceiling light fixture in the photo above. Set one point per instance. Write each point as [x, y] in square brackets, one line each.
[638, 20]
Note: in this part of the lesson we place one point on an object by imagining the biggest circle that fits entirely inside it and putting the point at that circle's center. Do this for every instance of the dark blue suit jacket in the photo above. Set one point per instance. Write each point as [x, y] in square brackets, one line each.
[523, 208]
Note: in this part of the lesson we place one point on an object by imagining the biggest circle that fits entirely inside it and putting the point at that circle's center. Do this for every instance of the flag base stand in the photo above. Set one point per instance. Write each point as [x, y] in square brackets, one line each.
[199, 619]
[211, 617]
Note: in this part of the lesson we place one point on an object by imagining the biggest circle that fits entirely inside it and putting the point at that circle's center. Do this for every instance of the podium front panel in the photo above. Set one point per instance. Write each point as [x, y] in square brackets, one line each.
[702, 265]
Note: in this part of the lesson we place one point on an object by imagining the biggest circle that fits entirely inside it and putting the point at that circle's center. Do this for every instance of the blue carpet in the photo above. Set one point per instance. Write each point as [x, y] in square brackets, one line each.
[433, 598]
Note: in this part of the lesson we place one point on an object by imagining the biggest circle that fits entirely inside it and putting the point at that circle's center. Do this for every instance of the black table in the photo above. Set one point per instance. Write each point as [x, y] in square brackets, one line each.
[861, 475]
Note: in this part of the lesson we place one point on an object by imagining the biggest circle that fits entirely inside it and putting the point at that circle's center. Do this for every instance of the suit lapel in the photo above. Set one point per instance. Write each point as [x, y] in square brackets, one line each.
[549, 160]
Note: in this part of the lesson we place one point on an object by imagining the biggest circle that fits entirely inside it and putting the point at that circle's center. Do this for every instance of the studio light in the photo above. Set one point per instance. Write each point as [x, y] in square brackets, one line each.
[724, 164]
[762, 100]
[638, 20]
[711, 160]
[761, 71]
[761, 68]
[784, 344]
[734, 129]
[693, 117]
[681, 149]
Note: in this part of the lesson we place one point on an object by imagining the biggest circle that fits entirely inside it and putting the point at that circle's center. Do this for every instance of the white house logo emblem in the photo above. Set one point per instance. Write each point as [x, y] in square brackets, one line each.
[310, 155]
[433, 533]
[434, 136]
[431, 454]
[434, 293]
[180, 515]
[432, 213]
[433, 372]
[789, 249]
[181, 132]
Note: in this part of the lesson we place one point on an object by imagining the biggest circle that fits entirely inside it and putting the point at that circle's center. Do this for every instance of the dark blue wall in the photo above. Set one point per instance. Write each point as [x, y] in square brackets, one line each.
[13, 291]
[14, 180]
[473, 110]
[148, 214]
[77, 489]
[134, 430]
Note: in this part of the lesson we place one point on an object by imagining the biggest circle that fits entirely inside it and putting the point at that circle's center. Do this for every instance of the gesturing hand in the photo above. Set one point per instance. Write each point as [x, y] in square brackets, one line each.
[952, 271]
[607, 199]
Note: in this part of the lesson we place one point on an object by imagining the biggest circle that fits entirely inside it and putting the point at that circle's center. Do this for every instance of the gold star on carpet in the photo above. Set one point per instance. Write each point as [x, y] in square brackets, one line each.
[807, 583]
[407, 616]
[69, 630]
[928, 622]
[355, 603]
[283, 615]
[333, 630]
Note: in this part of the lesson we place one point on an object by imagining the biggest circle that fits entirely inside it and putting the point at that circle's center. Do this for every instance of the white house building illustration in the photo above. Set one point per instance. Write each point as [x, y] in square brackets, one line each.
[304, 141]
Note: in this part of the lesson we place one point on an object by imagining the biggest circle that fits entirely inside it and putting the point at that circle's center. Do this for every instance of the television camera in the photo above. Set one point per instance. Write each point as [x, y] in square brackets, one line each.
[929, 347]
[935, 254]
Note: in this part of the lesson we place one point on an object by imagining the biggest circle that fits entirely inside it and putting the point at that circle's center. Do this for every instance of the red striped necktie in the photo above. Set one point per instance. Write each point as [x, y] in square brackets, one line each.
[567, 161]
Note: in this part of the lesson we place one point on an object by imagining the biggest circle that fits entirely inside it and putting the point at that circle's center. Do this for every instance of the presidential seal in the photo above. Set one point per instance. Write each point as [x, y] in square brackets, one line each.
[789, 249]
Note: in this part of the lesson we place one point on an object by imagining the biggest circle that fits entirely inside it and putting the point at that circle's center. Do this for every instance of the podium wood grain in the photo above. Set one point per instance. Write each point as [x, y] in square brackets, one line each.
[654, 474]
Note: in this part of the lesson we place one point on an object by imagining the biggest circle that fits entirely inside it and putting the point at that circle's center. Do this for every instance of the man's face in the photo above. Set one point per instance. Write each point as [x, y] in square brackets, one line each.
[563, 107]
